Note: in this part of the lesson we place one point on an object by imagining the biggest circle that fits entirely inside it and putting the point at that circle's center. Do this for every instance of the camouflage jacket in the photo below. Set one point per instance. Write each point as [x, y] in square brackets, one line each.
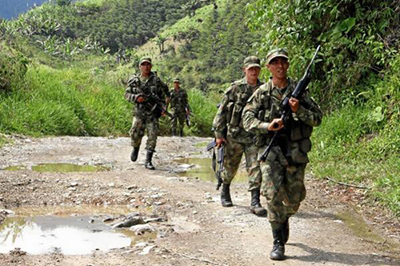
[153, 90]
[179, 100]
[264, 105]
[228, 120]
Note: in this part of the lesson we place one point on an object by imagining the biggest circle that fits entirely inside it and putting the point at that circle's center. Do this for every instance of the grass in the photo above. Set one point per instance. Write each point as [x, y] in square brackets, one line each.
[203, 110]
[354, 145]
[73, 101]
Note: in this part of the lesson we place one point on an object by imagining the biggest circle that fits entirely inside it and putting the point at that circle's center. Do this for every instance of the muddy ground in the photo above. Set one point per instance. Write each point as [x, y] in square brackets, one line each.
[336, 224]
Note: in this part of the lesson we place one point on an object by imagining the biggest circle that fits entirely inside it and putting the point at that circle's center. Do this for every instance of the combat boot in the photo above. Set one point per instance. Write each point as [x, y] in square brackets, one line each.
[148, 164]
[173, 132]
[226, 200]
[278, 250]
[255, 206]
[181, 133]
[134, 154]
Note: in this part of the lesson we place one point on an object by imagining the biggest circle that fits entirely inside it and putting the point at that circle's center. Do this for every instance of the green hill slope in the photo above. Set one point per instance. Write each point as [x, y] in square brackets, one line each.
[63, 70]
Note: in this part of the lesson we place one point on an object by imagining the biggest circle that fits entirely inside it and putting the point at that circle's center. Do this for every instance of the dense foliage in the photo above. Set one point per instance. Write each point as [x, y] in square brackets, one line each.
[358, 40]
[73, 83]
[117, 25]
[356, 81]
[13, 66]
[211, 53]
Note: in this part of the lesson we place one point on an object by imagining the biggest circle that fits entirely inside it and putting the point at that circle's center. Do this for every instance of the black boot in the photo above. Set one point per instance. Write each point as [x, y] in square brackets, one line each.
[278, 250]
[148, 164]
[173, 132]
[255, 206]
[134, 154]
[286, 231]
[181, 133]
[226, 200]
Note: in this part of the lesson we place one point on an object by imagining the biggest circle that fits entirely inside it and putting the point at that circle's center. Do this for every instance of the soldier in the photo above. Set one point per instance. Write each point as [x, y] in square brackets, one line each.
[149, 94]
[283, 170]
[229, 131]
[180, 107]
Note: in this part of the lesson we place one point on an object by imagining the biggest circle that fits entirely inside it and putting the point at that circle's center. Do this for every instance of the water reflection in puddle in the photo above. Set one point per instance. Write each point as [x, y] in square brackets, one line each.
[59, 168]
[203, 170]
[15, 168]
[72, 235]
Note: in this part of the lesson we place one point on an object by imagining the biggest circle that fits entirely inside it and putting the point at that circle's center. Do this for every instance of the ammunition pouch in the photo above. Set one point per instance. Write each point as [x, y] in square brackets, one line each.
[305, 145]
[297, 155]
[233, 131]
[236, 115]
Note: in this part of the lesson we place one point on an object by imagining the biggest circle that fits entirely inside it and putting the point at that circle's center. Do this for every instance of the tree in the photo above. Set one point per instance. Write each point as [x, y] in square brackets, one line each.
[63, 2]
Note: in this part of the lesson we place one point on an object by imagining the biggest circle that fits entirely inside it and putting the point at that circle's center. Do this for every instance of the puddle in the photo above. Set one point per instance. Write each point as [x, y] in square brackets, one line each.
[15, 168]
[65, 231]
[358, 226]
[203, 170]
[60, 168]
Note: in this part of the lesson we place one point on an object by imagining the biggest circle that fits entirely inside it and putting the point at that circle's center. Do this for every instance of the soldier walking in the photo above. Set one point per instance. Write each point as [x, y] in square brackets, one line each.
[283, 169]
[180, 108]
[229, 131]
[149, 94]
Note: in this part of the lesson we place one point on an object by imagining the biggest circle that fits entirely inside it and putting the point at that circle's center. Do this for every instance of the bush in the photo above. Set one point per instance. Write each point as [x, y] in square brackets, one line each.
[13, 66]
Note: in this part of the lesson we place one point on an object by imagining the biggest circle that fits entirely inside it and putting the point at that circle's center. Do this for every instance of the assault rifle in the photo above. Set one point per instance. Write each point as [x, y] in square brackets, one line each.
[187, 117]
[217, 159]
[154, 102]
[285, 107]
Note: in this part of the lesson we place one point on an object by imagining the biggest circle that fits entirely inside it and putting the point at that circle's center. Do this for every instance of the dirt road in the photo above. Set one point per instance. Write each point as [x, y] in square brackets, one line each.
[333, 227]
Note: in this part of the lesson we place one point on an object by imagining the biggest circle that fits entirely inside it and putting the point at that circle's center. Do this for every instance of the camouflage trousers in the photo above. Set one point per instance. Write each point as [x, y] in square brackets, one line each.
[232, 157]
[139, 125]
[283, 186]
[178, 121]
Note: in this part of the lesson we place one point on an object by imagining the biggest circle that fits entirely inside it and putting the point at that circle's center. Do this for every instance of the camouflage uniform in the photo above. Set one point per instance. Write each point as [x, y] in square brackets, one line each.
[146, 113]
[180, 106]
[228, 125]
[283, 170]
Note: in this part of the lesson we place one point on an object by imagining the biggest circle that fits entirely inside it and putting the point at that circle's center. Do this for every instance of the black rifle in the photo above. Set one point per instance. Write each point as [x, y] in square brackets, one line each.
[155, 104]
[187, 117]
[217, 159]
[285, 107]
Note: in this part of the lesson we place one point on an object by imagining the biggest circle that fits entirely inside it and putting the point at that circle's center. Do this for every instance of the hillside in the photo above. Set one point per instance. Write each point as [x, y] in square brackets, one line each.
[64, 67]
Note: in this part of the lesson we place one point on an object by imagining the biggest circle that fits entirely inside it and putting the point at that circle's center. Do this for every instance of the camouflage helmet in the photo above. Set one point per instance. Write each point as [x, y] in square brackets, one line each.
[145, 60]
[251, 61]
[277, 53]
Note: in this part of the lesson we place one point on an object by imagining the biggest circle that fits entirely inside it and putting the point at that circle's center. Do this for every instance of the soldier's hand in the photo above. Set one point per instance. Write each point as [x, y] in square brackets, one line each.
[294, 104]
[275, 125]
[219, 142]
[140, 99]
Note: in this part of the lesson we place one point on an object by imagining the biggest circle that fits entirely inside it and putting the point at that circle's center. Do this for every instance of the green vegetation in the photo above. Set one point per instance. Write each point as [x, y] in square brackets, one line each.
[361, 143]
[63, 68]
[211, 47]
[66, 101]
[13, 66]
[359, 139]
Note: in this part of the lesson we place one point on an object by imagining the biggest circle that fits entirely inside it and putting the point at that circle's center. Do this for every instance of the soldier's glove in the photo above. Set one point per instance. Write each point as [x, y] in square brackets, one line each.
[140, 98]
[219, 142]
